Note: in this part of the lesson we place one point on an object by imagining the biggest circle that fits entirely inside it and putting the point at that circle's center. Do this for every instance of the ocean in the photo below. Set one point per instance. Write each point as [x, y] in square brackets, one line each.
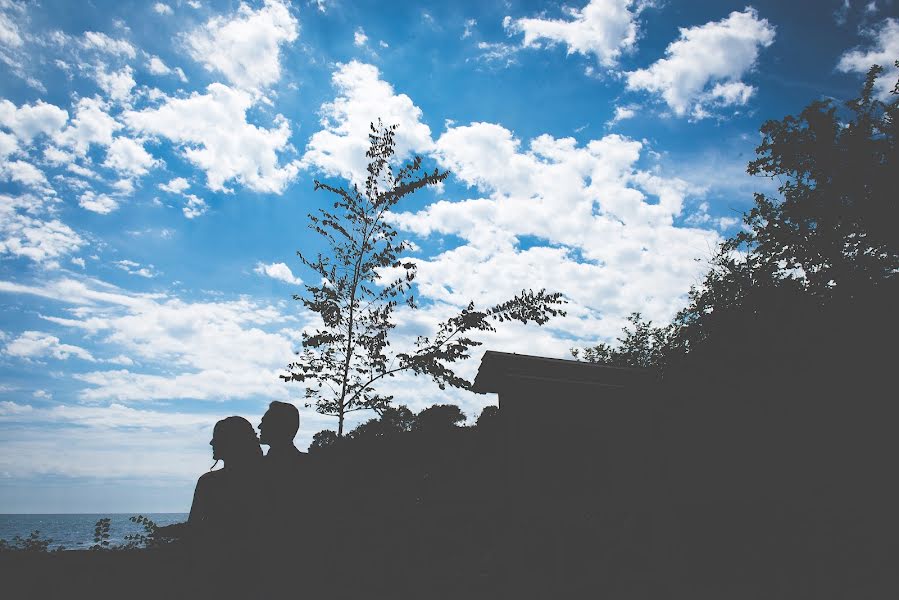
[76, 532]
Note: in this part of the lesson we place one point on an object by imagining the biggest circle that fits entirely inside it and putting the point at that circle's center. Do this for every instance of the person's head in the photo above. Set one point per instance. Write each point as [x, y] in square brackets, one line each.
[234, 440]
[279, 424]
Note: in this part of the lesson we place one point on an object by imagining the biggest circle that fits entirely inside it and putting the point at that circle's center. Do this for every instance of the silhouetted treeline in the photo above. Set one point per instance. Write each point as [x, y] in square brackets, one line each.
[811, 282]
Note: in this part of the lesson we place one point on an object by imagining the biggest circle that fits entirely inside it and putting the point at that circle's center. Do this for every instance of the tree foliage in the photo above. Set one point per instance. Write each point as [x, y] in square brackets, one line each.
[363, 278]
[808, 263]
[641, 345]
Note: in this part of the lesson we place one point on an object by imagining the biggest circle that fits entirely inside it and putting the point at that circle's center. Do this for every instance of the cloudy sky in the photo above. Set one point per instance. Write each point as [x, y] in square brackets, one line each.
[157, 162]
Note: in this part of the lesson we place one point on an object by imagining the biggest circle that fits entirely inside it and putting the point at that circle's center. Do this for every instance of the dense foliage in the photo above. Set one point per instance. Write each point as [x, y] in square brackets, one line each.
[814, 272]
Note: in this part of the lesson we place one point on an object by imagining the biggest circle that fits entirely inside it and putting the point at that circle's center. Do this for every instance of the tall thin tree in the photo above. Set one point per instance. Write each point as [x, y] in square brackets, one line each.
[361, 281]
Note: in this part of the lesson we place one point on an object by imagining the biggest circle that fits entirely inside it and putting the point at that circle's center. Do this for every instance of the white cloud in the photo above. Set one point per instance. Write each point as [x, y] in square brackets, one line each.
[884, 51]
[716, 54]
[98, 203]
[128, 156]
[157, 67]
[114, 415]
[31, 120]
[245, 47]
[36, 345]
[359, 37]
[497, 53]
[102, 42]
[622, 113]
[194, 206]
[185, 349]
[362, 98]
[78, 261]
[123, 187]
[25, 173]
[469, 28]
[9, 32]
[8, 144]
[603, 28]
[841, 13]
[57, 157]
[279, 271]
[213, 133]
[24, 234]
[91, 124]
[134, 268]
[599, 229]
[118, 84]
[175, 186]
[163, 9]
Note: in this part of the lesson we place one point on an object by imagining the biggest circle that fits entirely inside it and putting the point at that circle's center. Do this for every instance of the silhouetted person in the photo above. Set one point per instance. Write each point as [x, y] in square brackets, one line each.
[285, 488]
[224, 522]
[278, 428]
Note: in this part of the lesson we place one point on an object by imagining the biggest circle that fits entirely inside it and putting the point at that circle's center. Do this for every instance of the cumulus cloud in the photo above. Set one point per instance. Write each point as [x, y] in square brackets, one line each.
[603, 28]
[163, 9]
[883, 51]
[156, 66]
[194, 206]
[362, 98]
[31, 120]
[583, 220]
[35, 345]
[118, 84]
[246, 46]
[279, 271]
[27, 231]
[99, 203]
[622, 113]
[704, 66]
[91, 124]
[128, 157]
[175, 186]
[26, 174]
[213, 134]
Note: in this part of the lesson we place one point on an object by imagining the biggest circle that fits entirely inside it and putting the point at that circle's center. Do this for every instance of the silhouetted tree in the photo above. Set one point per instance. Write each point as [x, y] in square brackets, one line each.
[398, 419]
[488, 418]
[835, 225]
[643, 346]
[806, 261]
[439, 418]
[829, 242]
[323, 439]
[362, 280]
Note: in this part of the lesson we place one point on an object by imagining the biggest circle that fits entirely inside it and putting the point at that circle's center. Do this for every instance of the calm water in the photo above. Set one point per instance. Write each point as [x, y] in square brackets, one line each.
[76, 532]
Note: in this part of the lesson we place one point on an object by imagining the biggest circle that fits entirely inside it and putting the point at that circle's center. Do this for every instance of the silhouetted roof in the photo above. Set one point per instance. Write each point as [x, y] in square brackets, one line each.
[499, 368]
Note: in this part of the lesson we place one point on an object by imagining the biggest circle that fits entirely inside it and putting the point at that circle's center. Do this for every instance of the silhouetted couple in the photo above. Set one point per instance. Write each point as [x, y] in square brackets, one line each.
[245, 517]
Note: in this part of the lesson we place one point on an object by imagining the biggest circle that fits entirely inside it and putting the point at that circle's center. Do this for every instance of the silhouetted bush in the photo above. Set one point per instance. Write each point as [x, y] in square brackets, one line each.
[33, 543]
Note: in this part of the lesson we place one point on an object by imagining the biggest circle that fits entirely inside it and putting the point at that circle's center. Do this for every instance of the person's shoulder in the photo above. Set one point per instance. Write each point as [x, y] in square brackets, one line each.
[211, 477]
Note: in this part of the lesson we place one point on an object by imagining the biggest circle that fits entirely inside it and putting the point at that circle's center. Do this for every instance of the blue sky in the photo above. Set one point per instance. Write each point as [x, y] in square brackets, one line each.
[156, 169]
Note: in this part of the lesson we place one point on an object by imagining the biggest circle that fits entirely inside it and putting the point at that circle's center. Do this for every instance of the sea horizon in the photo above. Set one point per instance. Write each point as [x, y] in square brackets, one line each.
[75, 531]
